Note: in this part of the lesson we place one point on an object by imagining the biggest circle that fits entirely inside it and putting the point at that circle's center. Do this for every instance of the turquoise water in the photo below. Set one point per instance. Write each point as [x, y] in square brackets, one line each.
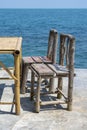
[34, 25]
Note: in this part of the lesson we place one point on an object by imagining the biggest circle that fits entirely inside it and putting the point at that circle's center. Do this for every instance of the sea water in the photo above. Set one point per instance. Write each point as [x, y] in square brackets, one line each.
[33, 25]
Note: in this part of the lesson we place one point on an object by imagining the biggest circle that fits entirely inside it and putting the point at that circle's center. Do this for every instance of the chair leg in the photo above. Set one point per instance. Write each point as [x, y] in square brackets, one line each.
[24, 77]
[51, 82]
[70, 94]
[60, 84]
[32, 85]
[38, 95]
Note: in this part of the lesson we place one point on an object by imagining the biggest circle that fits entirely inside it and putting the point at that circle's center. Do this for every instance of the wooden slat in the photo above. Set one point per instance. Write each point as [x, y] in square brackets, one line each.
[68, 35]
[59, 70]
[42, 69]
[45, 59]
[54, 92]
[28, 60]
[52, 102]
[37, 59]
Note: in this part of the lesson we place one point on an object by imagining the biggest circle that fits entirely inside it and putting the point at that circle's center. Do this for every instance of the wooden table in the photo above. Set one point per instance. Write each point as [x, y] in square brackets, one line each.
[12, 45]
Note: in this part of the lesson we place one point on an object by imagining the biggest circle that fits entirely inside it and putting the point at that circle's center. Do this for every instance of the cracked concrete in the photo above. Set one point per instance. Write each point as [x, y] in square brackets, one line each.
[54, 117]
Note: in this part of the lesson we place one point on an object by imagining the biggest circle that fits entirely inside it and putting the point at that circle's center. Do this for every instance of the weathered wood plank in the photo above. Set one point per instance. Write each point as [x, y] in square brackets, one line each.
[28, 60]
[37, 59]
[42, 69]
[52, 102]
[45, 59]
[59, 70]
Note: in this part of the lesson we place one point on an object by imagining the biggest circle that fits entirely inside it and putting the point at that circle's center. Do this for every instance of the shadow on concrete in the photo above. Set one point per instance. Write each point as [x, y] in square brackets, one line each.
[2, 87]
[28, 105]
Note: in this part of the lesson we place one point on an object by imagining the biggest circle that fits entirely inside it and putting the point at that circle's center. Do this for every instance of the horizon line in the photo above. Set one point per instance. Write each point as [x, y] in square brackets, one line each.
[40, 8]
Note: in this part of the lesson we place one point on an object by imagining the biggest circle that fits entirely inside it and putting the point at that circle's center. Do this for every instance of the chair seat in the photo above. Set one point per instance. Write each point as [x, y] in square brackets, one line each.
[45, 59]
[59, 70]
[36, 59]
[42, 70]
[28, 60]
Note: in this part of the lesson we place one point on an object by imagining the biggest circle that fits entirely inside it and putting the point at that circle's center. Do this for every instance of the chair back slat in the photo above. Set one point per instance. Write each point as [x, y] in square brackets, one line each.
[67, 47]
[62, 50]
[52, 45]
[67, 51]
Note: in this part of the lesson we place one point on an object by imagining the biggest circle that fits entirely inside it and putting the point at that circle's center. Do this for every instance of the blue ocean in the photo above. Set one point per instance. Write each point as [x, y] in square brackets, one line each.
[34, 26]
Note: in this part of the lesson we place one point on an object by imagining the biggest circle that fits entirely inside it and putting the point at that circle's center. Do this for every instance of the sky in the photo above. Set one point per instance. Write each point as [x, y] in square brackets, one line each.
[43, 3]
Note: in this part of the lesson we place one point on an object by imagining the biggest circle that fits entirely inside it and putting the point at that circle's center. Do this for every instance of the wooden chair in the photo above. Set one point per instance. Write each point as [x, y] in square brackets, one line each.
[65, 68]
[50, 58]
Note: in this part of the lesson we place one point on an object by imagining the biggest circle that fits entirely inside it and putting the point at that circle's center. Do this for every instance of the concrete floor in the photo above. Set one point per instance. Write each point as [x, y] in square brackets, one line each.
[54, 117]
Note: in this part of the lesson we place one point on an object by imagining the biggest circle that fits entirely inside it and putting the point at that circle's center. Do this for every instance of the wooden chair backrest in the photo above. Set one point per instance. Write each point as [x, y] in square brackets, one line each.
[67, 49]
[52, 45]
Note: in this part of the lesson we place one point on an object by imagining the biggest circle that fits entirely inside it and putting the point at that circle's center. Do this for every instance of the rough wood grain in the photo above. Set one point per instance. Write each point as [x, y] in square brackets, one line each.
[37, 59]
[42, 69]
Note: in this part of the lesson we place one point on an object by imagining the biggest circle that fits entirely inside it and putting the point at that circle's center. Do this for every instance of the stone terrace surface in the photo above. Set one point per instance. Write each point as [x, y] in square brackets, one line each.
[50, 117]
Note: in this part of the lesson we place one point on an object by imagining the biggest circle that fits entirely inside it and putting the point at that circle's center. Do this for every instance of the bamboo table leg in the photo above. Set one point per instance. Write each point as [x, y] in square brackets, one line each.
[38, 95]
[17, 83]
